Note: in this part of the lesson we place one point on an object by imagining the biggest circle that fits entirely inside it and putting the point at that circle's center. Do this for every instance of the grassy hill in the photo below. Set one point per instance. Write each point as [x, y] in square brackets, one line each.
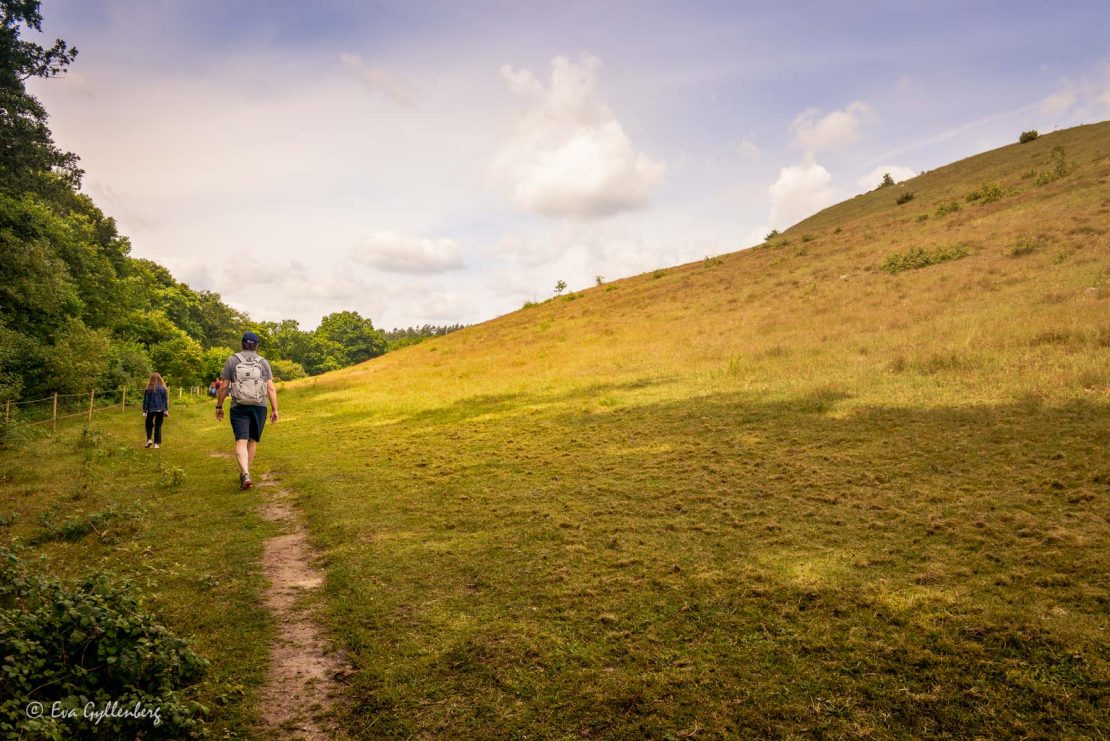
[781, 491]
[821, 486]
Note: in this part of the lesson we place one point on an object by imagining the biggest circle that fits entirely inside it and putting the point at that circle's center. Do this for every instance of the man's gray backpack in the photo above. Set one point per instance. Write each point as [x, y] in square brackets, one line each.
[248, 387]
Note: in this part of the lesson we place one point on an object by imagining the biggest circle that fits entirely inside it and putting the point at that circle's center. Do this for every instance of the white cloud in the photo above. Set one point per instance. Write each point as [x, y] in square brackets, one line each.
[1058, 103]
[568, 156]
[403, 253]
[814, 132]
[898, 172]
[377, 79]
[800, 191]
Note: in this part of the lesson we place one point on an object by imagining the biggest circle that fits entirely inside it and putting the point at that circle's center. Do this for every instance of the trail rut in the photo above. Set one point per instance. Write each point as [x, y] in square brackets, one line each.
[302, 681]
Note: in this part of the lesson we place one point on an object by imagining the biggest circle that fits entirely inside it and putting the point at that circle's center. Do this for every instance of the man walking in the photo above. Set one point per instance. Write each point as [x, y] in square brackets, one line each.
[250, 382]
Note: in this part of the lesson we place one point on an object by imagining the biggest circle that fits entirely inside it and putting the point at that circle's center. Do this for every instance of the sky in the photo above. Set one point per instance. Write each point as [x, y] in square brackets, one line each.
[443, 162]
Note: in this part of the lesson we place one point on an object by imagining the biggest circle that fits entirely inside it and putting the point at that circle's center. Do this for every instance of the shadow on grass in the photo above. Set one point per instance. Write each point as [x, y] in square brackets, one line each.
[728, 564]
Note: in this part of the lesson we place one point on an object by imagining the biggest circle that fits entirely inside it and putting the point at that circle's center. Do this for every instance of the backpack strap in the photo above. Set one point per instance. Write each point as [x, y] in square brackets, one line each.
[240, 356]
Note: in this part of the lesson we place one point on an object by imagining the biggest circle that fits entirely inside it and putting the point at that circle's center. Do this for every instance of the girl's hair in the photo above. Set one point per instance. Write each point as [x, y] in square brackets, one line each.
[155, 381]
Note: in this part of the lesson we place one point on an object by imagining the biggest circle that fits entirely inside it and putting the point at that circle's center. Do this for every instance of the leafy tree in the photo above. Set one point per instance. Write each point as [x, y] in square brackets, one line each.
[79, 357]
[887, 181]
[212, 362]
[356, 337]
[29, 159]
[179, 359]
[286, 370]
[128, 365]
[560, 287]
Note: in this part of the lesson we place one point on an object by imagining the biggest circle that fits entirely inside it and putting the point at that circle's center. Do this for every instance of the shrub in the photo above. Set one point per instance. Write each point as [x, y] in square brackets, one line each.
[658, 274]
[886, 182]
[808, 237]
[987, 193]
[1025, 246]
[286, 370]
[560, 287]
[91, 642]
[1060, 167]
[904, 198]
[918, 257]
[771, 235]
[922, 217]
[948, 208]
[1028, 136]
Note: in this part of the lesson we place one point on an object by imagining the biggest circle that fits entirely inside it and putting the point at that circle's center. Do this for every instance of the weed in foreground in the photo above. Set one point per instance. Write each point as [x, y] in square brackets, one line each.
[919, 257]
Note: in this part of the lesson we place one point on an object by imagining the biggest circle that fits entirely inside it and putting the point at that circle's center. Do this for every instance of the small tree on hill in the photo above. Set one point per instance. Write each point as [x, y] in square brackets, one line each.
[887, 180]
[560, 287]
[1028, 136]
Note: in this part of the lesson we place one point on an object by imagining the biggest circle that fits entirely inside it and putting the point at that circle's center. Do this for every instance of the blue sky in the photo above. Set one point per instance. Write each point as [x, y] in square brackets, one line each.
[446, 161]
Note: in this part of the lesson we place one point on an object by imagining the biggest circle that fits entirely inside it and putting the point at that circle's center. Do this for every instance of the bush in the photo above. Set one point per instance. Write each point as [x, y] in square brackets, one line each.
[948, 208]
[89, 643]
[1028, 136]
[921, 217]
[987, 193]
[886, 182]
[287, 370]
[1025, 246]
[904, 198]
[771, 235]
[918, 257]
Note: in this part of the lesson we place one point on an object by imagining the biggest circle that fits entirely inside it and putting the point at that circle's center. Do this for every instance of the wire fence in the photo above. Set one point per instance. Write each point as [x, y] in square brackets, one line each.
[49, 410]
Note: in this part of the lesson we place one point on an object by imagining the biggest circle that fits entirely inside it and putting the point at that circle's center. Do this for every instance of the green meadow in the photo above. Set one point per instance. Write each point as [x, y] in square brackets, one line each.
[854, 481]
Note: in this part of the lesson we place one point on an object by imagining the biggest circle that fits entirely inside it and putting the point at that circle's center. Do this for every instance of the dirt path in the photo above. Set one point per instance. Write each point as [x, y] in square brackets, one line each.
[302, 682]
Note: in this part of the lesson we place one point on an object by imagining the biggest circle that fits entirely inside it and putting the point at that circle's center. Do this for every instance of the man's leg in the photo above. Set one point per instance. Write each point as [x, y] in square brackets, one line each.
[252, 446]
[244, 453]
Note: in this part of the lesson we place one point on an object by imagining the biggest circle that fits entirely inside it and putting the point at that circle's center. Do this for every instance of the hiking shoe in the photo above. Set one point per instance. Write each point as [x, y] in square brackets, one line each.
[156, 446]
[245, 481]
[149, 443]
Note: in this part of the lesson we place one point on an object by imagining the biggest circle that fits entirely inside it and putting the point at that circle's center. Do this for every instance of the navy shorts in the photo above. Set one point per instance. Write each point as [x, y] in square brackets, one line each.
[247, 421]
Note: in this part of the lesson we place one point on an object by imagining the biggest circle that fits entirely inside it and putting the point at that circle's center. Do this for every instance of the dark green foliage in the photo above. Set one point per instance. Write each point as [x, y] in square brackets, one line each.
[918, 257]
[1060, 168]
[904, 198]
[355, 337]
[987, 193]
[1025, 246]
[398, 338]
[771, 235]
[948, 208]
[91, 642]
[1028, 136]
[887, 181]
[29, 160]
[921, 217]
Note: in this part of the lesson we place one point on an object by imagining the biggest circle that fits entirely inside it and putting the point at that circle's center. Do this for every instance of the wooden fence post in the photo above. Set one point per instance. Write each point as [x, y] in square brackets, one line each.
[54, 424]
[92, 395]
[123, 401]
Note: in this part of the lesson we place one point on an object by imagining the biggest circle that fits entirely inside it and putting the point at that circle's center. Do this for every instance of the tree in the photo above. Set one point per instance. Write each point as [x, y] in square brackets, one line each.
[887, 181]
[29, 160]
[179, 359]
[355, 336]
[79, 357]
[560, 287]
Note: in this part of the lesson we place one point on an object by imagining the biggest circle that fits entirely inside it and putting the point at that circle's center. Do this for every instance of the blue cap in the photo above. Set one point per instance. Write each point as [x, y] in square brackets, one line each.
[251, 337]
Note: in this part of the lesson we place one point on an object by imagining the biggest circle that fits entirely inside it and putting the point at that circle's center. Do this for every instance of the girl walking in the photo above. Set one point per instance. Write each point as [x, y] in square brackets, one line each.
[156, 407]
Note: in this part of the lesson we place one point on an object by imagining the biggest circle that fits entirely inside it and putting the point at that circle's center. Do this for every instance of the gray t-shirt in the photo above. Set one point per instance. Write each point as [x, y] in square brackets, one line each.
[228, 373]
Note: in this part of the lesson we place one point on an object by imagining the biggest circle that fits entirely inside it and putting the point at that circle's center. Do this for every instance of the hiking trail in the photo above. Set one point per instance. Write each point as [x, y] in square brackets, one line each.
[302, 682]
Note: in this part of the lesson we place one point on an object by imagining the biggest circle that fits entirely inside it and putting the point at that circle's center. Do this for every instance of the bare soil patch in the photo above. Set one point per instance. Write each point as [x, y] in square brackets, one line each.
[302, 683]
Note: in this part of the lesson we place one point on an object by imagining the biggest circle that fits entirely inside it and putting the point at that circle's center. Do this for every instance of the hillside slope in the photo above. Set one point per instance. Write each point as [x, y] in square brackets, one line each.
[804, 488]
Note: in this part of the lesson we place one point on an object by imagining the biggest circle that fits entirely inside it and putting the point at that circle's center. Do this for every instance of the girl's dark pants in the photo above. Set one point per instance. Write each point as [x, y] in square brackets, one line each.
[154, 422]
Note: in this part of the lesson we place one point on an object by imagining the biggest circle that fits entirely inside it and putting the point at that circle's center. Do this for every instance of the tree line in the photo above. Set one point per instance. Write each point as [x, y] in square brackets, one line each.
[76, 309]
